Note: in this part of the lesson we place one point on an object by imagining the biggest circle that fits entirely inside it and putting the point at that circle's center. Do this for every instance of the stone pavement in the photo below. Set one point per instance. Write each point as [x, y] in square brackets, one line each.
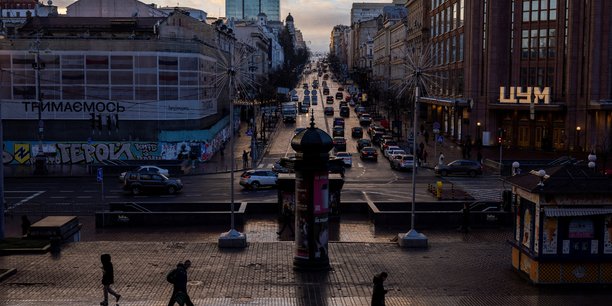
[457, 269]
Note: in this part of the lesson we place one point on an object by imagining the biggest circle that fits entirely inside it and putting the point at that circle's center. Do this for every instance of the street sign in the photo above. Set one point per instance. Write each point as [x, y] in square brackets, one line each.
[100, 176]
[249, 132]
[440, 139]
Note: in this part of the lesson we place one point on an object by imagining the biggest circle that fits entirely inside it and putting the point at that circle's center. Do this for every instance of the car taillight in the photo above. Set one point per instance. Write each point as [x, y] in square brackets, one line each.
[246, 176]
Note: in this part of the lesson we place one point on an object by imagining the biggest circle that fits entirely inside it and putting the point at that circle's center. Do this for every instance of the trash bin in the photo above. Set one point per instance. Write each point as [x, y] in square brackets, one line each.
[56, 243]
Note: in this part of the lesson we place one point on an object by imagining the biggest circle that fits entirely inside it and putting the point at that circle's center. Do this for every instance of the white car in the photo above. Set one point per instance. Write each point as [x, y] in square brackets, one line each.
[147, 169]
[390, 148]
[391, 154]
[347, 158]
[253, 179]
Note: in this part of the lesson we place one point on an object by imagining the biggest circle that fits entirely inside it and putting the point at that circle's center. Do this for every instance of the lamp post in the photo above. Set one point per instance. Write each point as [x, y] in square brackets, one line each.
[578, 148]
[41, 160]
[592, 161]
[515, 168]
[478, 139]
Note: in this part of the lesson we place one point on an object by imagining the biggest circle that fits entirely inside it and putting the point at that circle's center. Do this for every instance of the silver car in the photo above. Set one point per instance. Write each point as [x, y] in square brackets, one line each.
[254, 179]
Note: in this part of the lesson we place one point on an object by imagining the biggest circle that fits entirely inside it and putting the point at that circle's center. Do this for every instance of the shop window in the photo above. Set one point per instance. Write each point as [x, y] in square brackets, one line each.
[580, 237]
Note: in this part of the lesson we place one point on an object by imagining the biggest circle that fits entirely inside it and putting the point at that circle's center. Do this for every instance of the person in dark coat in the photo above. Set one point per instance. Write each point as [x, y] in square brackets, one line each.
[179, 292]
[25, 225]
[108, 278]
[378, 294]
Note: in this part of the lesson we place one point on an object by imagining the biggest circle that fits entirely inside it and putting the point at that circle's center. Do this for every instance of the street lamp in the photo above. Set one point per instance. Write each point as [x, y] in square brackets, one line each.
[515, 168]
[578, 128]
[478, 139]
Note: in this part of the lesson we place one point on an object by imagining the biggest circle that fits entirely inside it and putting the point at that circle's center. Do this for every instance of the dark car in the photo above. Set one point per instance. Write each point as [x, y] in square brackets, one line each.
[339, 143]
[329, 100]
[304, 109]
[325, 90]
[137, 183]
[362, 143]
[365, 119]
[339, 96]
[338, 121]
[338, 130]
[345, 111]
[357, 132]
[460, 166]
[376, 128]
[298, 130]
[336, 165]
[368, 153]
[328, 111]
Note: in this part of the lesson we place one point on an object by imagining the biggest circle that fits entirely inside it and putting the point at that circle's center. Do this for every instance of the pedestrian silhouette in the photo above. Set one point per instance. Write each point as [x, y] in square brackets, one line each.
[441, 159]
[286, 219]
[426, 137]
[178, 277]
[378, 293]
[108, 278]
[25, 225]
[245, 159]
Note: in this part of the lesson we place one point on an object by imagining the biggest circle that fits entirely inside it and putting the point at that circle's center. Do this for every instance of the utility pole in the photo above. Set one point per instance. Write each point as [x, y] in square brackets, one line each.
[41, 159]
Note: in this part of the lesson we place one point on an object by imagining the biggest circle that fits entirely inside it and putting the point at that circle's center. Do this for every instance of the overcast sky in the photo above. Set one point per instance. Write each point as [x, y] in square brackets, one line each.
[315, 18]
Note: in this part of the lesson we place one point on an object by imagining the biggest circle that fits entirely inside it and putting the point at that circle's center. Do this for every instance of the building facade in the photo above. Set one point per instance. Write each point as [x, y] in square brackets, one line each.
[536, 73]
[249, 9]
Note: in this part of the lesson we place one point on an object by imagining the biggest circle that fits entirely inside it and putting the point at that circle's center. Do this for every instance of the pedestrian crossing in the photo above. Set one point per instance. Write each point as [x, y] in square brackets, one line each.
[485, 188]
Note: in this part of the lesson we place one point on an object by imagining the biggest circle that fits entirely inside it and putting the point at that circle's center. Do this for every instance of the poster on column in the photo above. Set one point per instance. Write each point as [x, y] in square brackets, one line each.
[321, 209]
[302, 215]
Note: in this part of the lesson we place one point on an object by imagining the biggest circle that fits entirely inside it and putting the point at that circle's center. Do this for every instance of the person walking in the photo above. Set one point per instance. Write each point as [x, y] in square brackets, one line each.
[425, 156]
[245, 159]
[108, 278]
[178, 277]
[441, 159]
[25, 225]
[378, 294]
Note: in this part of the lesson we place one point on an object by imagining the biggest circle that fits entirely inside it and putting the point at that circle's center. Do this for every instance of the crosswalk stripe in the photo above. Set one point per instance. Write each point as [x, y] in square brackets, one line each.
[360, 165]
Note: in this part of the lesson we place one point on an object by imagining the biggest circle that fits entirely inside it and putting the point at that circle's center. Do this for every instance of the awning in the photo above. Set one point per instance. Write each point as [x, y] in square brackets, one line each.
[576, 212]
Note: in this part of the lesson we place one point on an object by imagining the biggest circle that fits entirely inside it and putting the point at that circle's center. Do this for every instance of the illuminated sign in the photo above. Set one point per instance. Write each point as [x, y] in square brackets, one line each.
[529, 96]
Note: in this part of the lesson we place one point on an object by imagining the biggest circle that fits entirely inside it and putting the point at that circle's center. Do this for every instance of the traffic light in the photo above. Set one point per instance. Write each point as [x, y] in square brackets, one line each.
[500, 135]
[93, 120]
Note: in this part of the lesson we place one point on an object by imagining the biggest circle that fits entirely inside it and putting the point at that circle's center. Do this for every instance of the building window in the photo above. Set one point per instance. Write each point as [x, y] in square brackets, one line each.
[461, 12]
[461, 47]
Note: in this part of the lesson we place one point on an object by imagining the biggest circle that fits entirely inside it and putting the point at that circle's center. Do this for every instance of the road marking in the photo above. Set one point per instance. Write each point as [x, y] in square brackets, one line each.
[84, 197]
[360, 165]
[58, 197]
[24, 200]
[66, 190]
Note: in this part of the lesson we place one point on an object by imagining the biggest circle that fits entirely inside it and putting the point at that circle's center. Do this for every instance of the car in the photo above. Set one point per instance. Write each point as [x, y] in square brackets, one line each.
[360, 110]
[338, 121]
[390, 148]
[279, 167]
[460, 166]
[254, 179]
[391, 154]
[304, 108]
[146, 169]
[336, 165]
[314, 100]
[376, 128]
[298, 130]
[325, 89]
[368, 153]
[365, 119]
[137, 183]
[305, 85]
[328, 111]
[357, 132]
[362, 143]
[339, 96]
[344, 111]
[338, 130]
[329, 100]
[340, 88]
[402, 162]
[352, 103]
[387, 143]
[339, 143]
[346, 157]
[295, 98]
[306, 100]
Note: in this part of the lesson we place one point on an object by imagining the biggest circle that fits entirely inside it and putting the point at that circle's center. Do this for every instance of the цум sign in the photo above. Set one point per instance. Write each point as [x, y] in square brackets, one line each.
[530, 95]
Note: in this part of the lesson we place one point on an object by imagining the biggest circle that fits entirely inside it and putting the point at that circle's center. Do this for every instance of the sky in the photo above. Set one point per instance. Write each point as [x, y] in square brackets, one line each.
[315, 18]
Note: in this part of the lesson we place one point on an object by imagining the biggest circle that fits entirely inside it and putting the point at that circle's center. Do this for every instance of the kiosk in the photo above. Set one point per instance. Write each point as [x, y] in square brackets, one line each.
[563, 225]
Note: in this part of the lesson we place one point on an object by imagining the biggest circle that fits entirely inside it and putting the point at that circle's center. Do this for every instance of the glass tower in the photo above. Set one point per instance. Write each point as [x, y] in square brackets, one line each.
[249, 9]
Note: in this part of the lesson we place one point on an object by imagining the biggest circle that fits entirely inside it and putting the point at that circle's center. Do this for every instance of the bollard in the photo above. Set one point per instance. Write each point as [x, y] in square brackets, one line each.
[439, 190]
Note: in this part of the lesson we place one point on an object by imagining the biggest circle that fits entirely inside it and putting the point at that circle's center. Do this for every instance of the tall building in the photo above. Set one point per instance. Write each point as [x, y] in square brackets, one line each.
[537, 72]
[249, 9]
[364, 11]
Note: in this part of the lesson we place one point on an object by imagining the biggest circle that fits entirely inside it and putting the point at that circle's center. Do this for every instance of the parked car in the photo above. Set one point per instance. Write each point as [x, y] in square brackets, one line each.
[338, 130]
[254, 179]
[137, 183]
[346, 157]
[393, 153]
[146, 169]
[387, 143]
[368, 153]
[339, 143]
[328, 111]
[390, 148]
[357, 132]
[402, 162]
[362, 143]
[460, 166]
